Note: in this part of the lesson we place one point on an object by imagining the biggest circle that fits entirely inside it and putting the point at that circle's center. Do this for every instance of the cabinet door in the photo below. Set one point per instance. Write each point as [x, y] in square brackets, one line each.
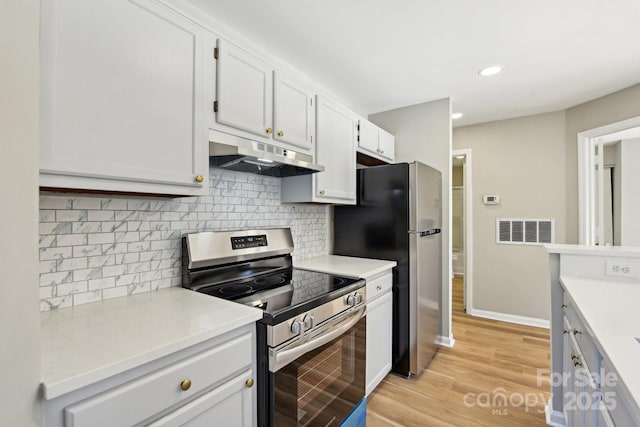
[244, 89]
[386, 145]
[121, 97]
[379, 320]
[335, 150]
[293, 118]
[568, 392]
[231, 404]
[368, 136]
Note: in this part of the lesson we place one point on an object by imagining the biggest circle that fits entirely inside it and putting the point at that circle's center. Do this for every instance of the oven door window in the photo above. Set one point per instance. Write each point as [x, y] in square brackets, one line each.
[323, 386]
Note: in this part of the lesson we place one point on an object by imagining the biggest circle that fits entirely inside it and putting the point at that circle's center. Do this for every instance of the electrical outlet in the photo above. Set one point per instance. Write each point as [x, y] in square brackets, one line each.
[617, 268]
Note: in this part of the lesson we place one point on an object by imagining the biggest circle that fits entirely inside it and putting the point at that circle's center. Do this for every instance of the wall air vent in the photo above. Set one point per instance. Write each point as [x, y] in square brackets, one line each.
[520, 231]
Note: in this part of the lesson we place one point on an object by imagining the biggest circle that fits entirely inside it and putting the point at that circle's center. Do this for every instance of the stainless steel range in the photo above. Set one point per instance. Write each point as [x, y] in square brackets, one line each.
[311, 340]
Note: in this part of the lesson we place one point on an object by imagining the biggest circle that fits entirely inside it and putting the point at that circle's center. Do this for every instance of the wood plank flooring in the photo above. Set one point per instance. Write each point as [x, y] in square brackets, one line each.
[489, 378]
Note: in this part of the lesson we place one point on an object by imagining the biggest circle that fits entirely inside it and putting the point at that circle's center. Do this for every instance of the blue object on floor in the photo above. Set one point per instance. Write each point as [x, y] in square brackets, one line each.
[357, 417]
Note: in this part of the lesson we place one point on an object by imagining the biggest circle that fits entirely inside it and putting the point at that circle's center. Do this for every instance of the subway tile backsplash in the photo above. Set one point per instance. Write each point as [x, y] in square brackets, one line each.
[95, 248]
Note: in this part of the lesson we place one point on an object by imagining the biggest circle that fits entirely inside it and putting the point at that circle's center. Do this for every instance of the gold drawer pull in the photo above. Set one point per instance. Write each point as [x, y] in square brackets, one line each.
[249, 382]
[379, 287]
[269, 130]
[322, 192]
[563, 306]
[199, 178]
[185, 385]
[564, 331]
[576, 332]
[281, 133]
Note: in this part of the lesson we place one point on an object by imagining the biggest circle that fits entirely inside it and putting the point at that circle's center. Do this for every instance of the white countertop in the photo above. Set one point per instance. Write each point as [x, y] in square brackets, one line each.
[620, 251]
[88, 343]
[346, 266]
[610, 309]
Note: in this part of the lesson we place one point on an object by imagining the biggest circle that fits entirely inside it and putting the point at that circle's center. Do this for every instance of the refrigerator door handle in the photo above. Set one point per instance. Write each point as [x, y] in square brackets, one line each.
[425, 233]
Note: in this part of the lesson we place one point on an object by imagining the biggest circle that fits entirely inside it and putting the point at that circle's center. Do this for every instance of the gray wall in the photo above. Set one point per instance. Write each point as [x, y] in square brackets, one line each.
[423, 133]
[612, 108]
[521, 160]
[19, 316]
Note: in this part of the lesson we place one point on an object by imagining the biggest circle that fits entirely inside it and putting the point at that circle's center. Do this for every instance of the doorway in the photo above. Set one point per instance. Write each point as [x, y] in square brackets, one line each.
[461, 231]
[608, 205]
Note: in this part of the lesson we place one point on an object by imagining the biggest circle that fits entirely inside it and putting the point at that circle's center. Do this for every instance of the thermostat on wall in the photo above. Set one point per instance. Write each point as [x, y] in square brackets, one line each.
[491, 199]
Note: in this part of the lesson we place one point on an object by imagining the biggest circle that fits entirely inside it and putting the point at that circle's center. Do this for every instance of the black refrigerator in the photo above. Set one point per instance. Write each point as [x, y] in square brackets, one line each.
[398, 217]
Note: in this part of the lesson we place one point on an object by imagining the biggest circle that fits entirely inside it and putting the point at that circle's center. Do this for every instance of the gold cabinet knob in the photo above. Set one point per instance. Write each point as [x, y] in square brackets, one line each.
[576, 332]
[322, 192]
[280, 133]
[564, 331]
[249, 382]
[563, 306]
[379, 287]
[185, 385]
[576, 362]
[199, 178]
[269, 130]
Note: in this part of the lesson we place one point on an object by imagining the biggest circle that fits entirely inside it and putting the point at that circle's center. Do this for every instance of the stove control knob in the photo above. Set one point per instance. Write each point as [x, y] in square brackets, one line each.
[297, 327]
[309, 321]
[352, 300]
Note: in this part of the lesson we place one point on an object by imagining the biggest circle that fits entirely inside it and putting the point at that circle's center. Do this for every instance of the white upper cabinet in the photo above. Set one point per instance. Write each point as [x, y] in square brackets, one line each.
[367, 136]
[244, 90]
[336, 131]
[255, 101]
[375, 142]
[293, 118]
[121, 98]
[386, 145]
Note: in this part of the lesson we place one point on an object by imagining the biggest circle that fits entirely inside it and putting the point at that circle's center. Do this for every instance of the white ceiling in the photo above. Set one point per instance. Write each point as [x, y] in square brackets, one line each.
[384, 54]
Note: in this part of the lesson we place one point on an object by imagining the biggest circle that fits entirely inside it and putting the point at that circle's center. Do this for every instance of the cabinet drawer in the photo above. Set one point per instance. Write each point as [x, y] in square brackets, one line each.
[615, 397]
[142, 398]
[379, 285]
[582, 335]
[604, 419]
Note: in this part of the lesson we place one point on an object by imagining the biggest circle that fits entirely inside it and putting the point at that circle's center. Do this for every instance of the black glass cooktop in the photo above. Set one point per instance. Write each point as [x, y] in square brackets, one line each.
[284, 293]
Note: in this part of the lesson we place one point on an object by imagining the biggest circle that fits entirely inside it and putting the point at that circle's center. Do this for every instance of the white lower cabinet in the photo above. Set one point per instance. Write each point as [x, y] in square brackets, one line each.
[379, 322]
[211, 384]
[227, 405]
[592, 394]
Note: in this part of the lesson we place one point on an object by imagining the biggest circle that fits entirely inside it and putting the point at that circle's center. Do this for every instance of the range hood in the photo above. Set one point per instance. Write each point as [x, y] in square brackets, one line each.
[244, 155]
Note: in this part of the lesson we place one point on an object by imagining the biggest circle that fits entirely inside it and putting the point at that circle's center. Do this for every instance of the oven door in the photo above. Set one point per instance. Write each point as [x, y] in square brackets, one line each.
[318, 382]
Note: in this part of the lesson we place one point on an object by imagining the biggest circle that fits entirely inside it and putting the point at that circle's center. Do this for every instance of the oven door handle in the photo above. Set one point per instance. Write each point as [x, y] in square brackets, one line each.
[283, 358]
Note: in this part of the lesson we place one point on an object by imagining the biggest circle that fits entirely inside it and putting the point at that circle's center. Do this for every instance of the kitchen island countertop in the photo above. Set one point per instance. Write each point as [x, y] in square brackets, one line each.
[610, 309]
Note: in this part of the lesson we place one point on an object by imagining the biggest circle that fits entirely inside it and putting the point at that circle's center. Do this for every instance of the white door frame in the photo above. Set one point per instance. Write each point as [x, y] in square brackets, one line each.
[468, 228]
[587, 141]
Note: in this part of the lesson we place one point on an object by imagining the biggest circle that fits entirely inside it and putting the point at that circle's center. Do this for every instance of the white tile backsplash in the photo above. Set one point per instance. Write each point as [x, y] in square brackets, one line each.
[95, 248]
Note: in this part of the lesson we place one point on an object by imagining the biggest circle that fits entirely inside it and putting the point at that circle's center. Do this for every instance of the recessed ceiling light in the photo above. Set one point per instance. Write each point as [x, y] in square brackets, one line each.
[490, 71]
[455, 116]
[459, 157]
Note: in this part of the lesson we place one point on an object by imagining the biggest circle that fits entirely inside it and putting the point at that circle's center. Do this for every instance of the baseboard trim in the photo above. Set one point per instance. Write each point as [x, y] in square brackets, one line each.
[553, 418]
[511, 318]
[445, 341]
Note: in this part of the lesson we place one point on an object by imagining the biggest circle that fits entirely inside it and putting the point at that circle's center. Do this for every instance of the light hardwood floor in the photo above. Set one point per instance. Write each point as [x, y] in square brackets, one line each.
[489, 378]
